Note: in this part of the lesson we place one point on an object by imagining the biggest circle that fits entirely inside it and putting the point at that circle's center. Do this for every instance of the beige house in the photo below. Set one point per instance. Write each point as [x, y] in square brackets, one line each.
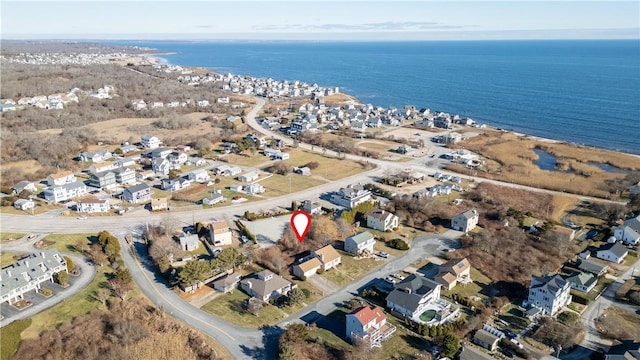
[220, 233]
[328, 256]
[306, 268]
[452, 272]
[161, 203]
[324, 258]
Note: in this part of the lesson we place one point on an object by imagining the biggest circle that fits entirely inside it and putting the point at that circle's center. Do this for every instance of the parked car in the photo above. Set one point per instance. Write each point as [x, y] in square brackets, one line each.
[398, 276]
[244, 239]
[82, 217]
[383, 254]
[31, 236]
[509, 334]
[390, 280]
[508, 352]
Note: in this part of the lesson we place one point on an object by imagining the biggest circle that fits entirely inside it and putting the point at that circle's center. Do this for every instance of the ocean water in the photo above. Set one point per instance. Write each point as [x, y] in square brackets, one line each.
[582, 91]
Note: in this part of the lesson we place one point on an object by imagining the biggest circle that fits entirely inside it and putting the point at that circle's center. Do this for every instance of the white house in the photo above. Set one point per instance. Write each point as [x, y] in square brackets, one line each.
[549, 293]
[368, 324]
[60, 179]
[253, 189]
[311, 208]
[248, 177]
[65, 192]
[199, 175]
[125, 175]
[24, 204]
[189, 242]
[91, 204]
[381, 220]
[150, 142]
[465, 221]
[213, 199]
[306, 267]
[175, 184]
[582, 281]
[413, 295]
[96, 157]
[629, 231]
[24, 185]
[614, 252]
[359, 243]
[266, 285]
[220, 233]
[351, 196]
[137, 194]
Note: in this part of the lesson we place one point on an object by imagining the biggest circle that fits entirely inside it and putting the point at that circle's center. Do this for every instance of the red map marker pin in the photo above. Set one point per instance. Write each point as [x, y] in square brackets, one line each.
[300, 223]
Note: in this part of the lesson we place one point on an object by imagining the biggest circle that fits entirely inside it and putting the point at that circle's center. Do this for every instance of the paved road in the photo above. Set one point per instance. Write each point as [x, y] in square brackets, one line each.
[592, 340]
[87, 274]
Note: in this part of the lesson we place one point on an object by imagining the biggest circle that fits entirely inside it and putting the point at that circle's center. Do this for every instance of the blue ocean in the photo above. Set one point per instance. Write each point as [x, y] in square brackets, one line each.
[582, 91]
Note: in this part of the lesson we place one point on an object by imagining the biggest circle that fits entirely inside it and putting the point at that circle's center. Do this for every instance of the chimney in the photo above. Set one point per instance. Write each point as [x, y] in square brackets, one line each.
[42, 254]
[9, 273]
[407, 290]
[26, 263]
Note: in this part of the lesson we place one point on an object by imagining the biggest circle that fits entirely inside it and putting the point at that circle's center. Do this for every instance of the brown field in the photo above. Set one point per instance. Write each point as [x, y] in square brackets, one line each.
[511, 158]
[340, 99]
[619, 324]
[329, 168]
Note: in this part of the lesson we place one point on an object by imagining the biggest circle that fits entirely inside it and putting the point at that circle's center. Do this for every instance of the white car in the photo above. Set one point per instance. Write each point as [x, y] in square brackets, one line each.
[82, 217]
[398, 276]
[383, 254]
[390, 280]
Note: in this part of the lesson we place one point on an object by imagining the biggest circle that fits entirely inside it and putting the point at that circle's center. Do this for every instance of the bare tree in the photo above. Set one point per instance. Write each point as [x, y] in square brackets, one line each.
[102, 295]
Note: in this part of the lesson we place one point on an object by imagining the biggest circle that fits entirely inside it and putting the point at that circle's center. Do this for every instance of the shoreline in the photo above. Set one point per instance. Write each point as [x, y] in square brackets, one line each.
[165, 61]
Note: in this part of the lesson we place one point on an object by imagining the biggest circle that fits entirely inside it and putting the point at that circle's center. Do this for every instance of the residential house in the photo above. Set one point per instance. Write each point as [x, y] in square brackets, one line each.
[232, 171]
[128, 148]
[150, 141]
[368, 324]
[159, 203]
[593, 267]
[177, 158]
[199, 175]
[351, 196]
[161, 166]
[248, 177]
[564, 233]
[220, 233]
[306, 267]
[227, 283]
[28, 274]
[328, 256]
[486, 340]
[65, 192]
[469, 353]
[175, 184]
[452, 272]
[91, 204]
[311, 208]
[24, 185]
[160, 152]
[214, 198]
[381, 220]
[189, 242]
[203, 103]
[235, 187]
[104, 180]
[625, 350]
[582, 281]
[266, 285]
[96, 156]
[253, 189]
[629, 231]
[137, 194]
[145, 175]
[360, 243]
[60, 179]
[125, 176]
[465, 221]
[614, 252]
[413, 295]
[195, 161]
[549, 293]
[24, 204]
[102, 167]
[221, 170]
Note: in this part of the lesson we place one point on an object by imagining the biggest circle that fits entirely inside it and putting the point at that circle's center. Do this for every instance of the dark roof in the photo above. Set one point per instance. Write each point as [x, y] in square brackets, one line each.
[136, 188]
[593, 267]
[553, 283]
[617, 249]
[410, 291]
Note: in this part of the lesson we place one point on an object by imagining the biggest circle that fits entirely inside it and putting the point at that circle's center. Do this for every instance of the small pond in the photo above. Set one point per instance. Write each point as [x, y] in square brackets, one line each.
[546, 161]
[608, 168]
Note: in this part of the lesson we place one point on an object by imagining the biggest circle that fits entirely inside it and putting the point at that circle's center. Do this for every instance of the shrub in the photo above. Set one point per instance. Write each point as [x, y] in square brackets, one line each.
[320, 271]
[303, 278]
[312, 165]
[580, 299]
[46, 292]
[61, 278]
[70, 265]
[307, 293]
[398, 244]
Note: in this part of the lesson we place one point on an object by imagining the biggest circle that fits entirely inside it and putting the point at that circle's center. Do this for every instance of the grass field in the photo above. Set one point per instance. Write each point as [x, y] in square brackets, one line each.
[631, 258]
[230, 307]
[67, 242]
[278, 185]
[8, 236]
[329, 168]
[7, 258]
[619, 323]
[10, 337]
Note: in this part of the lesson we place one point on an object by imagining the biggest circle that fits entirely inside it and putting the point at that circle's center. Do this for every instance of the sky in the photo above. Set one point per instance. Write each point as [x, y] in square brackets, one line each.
[319, 20]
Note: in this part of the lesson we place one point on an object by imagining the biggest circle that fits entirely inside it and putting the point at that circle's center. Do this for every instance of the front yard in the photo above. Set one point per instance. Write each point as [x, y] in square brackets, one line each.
[230, 307]
[351, 269]
[7, 236]
[480, 287]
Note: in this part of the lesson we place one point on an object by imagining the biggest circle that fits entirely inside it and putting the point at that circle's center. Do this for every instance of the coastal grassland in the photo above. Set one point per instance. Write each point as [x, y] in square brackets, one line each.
[511, 157]
[619, 323]
[329, 167]
[8, 236]
[10, 337]
[278, 185]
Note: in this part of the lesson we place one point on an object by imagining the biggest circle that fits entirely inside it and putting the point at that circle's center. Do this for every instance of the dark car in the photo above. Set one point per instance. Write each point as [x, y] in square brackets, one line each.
[508, 352]
[510, 334]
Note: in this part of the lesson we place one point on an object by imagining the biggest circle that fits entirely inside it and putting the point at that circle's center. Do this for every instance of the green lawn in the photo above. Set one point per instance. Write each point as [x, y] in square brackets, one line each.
[351, 269]
[329, 168]
[7, 258]
[67, 242]
[7, 236]
[10, 337]
[246, 159]
[603, 282]
[230, 307]
[481, 286]
[278, 185]
[513, 315]
[631, 258]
